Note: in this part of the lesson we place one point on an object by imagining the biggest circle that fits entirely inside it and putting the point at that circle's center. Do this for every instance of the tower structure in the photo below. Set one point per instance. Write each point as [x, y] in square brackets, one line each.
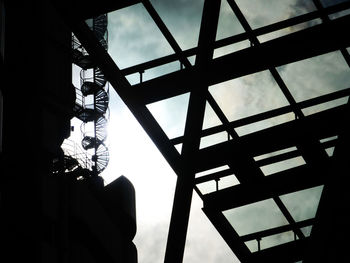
[92, 100]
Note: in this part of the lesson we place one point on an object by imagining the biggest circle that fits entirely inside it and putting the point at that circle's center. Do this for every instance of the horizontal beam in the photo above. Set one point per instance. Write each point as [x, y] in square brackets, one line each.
[319, 125]
[287, 253]
[277, 230]
[237, 38]
[300, 45]
[284, 182]
[213, 176]
[270, 114]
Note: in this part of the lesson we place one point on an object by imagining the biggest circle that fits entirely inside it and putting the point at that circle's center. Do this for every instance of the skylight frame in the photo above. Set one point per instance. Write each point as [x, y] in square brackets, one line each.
[150, 124]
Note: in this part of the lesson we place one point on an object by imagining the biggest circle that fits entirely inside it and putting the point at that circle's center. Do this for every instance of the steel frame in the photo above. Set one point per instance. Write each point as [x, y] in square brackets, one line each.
[238, 152]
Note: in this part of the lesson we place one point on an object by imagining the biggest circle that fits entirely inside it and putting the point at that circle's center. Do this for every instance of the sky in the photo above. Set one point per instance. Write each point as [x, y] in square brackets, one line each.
[133, 39]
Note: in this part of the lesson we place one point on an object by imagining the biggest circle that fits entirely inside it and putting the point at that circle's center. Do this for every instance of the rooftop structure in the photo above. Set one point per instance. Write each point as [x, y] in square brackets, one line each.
[271, 177]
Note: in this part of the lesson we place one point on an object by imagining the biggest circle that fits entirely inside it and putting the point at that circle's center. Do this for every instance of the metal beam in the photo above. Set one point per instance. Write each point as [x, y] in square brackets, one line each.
[227, 232]
[271, 186]
[270, 114]
[237, 38]
[321, 125]
[194, 121]
[277, 230]
[300, 45]
[286, 253]
[165, 31]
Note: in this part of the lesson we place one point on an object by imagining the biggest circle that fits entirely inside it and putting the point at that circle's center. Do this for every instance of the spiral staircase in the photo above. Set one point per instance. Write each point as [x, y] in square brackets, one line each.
[92, 98]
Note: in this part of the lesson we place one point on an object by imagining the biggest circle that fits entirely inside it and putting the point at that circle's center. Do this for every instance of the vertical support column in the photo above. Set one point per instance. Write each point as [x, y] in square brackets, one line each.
[185, 181]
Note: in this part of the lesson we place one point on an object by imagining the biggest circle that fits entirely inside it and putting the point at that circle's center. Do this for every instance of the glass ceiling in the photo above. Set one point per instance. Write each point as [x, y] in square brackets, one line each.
[258, 101]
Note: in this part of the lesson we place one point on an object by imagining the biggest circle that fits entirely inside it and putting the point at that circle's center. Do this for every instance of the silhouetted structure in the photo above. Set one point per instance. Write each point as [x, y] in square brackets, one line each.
[308, 137]
[47, 215]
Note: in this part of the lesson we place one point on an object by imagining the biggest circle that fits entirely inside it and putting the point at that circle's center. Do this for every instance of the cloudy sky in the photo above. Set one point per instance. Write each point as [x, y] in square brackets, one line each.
[133, 39]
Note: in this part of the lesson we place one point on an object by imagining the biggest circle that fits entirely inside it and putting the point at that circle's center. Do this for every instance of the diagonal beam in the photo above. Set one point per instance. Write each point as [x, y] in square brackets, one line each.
[230, 236]
[300, 45]
[165, 31]
[194, 121]
[326, 19]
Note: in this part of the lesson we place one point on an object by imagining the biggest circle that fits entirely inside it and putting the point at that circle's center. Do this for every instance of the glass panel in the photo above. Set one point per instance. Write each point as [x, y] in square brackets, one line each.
[248, 95]
[271, 11]
[306, 230]
[252, 245]
[219, 52]
[161, 70]
[316, 76]
[275, 240]
[303, 204]
[264, 124]
[178, 147]
[134, 37]
[213, 139]
[224, 182]
[133, 78]
[171, 114]
[214, 170]
[339, 14]
[207, 187]
[192, 59]
[255, 217]
[326, 3]
[325, 106]
[228, 181]
[271, 154]
[182, 18]
[288, 30]
[282, 165]
[228, 24]
[329, 139]
[210, 117]
[330, 151]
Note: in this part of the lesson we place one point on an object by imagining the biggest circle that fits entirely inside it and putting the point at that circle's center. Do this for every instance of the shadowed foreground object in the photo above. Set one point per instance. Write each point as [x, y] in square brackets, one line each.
[54, 206]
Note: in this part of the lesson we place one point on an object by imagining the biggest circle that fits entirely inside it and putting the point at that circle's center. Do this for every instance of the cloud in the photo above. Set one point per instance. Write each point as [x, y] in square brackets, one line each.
[248, 95]
[182, 19]
[204, 243]
[134, 37]
[316, 76]
[151, 242]
[171, 114]
[271, 11]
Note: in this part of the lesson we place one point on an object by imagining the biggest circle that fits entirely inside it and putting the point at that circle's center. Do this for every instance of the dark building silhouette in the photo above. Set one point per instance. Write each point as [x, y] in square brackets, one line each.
[49, 218]
[47, 215]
